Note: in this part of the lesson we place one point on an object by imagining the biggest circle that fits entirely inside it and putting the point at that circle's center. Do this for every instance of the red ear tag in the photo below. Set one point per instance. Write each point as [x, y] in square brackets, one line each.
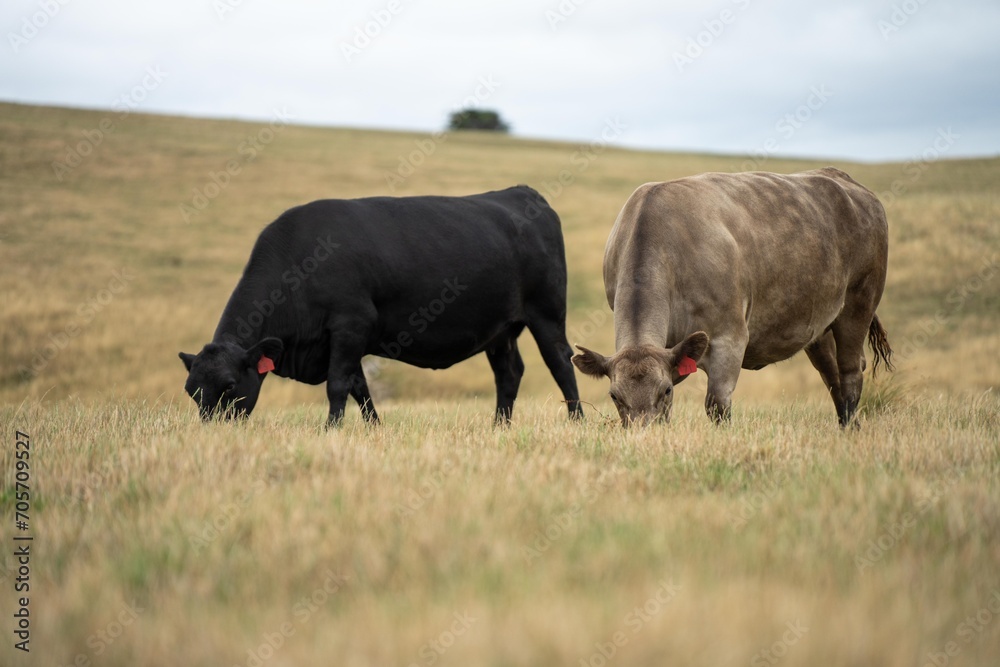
[264, 365]
[686, 366]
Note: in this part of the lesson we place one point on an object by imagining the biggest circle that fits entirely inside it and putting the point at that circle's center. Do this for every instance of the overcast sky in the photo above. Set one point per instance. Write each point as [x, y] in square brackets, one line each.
[856, 79]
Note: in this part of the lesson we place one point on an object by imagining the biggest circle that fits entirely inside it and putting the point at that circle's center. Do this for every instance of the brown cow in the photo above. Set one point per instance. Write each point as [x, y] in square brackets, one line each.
[731, 271]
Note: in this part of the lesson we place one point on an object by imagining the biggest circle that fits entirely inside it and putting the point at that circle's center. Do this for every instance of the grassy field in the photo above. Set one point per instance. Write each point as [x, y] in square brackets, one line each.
[436, 539]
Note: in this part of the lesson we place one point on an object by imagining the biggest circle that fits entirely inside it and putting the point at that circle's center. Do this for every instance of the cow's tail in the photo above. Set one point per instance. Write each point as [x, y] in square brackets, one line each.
[879, 342]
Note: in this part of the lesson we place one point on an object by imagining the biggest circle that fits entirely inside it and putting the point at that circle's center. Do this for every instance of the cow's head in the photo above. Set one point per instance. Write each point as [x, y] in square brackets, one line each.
[225, 378]
[643, 377]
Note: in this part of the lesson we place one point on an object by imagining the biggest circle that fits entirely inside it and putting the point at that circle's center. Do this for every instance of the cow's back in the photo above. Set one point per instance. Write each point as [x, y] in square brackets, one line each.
[384, 241]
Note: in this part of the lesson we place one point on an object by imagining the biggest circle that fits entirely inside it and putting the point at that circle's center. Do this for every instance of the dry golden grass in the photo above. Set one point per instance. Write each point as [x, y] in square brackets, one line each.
[546, 535]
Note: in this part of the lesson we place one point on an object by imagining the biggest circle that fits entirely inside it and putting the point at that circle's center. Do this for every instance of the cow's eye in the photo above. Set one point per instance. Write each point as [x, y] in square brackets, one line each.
[613, 397]
[231, 387]
[669, 390]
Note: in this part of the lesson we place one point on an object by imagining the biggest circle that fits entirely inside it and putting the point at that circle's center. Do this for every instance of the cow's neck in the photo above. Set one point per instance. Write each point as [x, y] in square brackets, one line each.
[248, 316]
[638, 321]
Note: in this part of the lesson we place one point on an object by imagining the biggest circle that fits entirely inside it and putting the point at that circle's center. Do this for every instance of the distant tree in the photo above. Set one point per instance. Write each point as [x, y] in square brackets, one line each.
[477, 119]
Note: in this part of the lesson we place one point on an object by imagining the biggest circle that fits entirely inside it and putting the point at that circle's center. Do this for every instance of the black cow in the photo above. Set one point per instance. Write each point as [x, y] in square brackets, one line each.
[429, 281]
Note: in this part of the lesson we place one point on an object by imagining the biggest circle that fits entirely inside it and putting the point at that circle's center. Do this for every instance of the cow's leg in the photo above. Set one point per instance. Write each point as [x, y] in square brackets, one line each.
[347, 346]
[849, 333]
[505, 360]
[550, 336]
[359, 392]
[823, 354]
[725, 358]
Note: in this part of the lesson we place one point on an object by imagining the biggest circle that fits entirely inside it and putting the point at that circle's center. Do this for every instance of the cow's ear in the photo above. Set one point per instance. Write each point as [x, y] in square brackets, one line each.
[188, 359]
[591, 363]
[686, 353]
[268, 347]
[693, 346]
